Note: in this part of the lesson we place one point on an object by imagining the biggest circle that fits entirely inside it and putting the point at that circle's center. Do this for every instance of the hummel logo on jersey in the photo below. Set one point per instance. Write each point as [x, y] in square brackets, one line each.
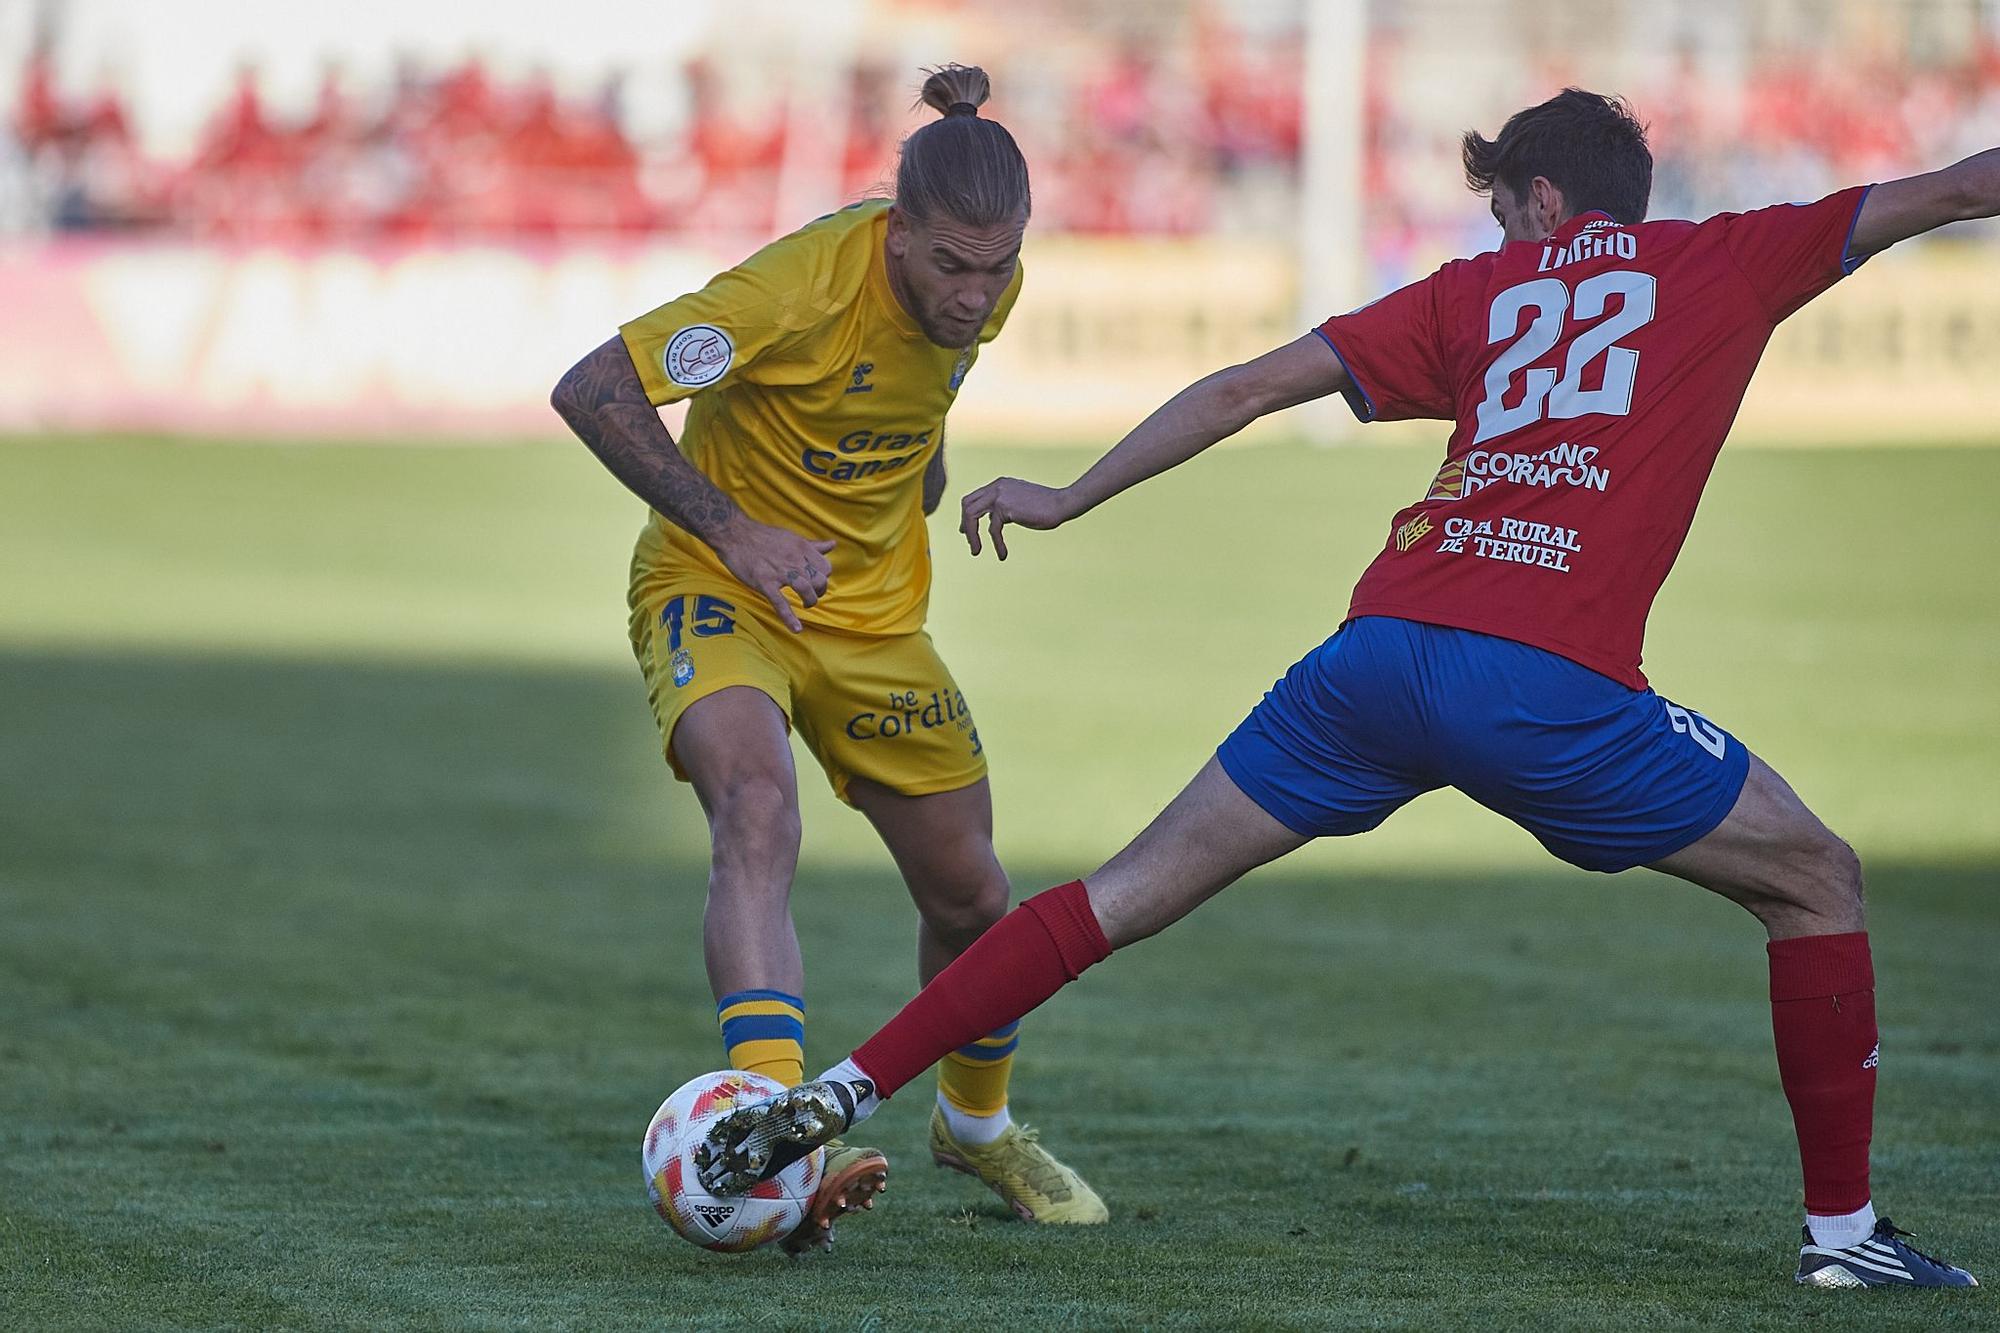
[1874, 1059]
[860, 383]
[713, 1214]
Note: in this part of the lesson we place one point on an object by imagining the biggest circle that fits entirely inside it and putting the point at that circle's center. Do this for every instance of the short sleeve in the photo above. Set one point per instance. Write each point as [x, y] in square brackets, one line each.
[735, 327]
[1393, 351]
[1790, 253]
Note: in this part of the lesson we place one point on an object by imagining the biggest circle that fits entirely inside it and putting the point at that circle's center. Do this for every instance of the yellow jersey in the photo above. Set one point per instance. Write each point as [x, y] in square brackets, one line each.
[817, 403]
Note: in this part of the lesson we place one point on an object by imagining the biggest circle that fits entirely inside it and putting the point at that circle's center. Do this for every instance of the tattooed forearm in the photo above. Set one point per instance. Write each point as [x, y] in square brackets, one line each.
[934, 478]
[604, 403]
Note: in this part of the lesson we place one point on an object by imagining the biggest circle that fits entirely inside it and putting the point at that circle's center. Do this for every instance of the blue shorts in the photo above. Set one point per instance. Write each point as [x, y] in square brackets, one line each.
[1607, 777]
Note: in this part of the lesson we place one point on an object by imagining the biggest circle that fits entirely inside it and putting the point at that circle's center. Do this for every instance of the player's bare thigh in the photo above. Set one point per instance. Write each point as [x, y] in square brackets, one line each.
[1775, 858]
[1206, 839]
[942, 842]
[736, 751]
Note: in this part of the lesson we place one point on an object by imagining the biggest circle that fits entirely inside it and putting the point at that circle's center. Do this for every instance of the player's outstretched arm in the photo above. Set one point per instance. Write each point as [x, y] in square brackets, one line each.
[1897, 210]
[1211, 409]
[605, 404]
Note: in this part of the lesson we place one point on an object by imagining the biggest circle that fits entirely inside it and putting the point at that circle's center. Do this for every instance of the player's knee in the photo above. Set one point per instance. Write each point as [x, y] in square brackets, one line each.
[754, 811]
[1842, 870]
[1830, 869]
[958, 909]
[1821, 878]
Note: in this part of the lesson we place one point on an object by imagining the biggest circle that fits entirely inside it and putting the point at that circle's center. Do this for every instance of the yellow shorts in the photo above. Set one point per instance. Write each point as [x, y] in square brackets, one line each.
[880, 708]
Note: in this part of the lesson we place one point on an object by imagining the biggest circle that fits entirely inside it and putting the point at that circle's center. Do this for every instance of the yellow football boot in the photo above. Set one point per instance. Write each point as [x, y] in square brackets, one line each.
[1020, 1170]
[851, 1180]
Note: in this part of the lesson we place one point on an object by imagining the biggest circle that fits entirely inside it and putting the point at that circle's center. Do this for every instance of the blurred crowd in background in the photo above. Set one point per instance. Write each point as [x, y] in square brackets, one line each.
[1184, 128]
[1135, 142]
[1790, 114]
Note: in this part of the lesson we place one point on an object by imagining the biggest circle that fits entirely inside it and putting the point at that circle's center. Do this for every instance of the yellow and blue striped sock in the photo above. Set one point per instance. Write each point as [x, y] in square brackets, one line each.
[764, 1032]
[973, 1079]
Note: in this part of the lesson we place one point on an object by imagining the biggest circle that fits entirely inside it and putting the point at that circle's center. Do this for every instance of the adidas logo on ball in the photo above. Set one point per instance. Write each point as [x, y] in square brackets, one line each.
[714, 1215]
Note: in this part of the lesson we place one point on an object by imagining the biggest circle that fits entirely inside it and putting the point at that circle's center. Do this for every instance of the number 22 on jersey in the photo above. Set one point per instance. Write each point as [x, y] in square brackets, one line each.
[1548, 303]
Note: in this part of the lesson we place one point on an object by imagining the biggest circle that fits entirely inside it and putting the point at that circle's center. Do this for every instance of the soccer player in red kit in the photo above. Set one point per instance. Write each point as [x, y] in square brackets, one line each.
[1591, 367]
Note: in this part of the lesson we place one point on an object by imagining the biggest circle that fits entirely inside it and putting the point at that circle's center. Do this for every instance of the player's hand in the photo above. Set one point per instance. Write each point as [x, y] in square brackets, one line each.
[1011, 500]
[773, 559]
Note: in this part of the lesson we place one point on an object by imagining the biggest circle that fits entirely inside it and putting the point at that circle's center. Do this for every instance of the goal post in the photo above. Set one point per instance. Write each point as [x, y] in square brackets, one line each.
[1331, 260]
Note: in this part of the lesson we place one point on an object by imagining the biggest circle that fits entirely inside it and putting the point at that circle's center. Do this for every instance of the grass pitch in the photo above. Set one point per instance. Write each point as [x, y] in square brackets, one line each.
[349, 921]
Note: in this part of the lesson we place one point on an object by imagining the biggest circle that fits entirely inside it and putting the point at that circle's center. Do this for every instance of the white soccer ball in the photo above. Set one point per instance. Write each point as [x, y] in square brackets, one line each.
[727, 1222]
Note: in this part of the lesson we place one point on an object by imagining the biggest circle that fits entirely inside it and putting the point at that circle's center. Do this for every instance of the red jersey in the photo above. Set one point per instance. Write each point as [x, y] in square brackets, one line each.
[1592, 377]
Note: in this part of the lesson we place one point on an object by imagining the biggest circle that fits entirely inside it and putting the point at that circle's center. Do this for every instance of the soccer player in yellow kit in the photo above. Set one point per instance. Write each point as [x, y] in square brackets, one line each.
[820, 371]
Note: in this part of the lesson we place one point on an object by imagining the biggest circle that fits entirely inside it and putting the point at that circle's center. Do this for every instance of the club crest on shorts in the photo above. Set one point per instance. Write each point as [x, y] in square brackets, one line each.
[683, 664]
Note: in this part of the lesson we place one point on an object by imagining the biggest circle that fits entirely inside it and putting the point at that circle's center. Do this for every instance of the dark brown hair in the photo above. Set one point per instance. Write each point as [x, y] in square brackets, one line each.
[964, 166]
[1589, 146]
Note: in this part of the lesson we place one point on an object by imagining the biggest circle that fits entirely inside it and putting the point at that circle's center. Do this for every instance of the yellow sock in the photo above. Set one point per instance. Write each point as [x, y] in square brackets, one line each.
[973, 1078]
[764, 1032]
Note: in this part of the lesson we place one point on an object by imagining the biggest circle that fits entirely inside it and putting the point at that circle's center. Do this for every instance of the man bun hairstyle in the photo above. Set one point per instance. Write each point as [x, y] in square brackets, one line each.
[963, 166]
[955, 89]
[1589, 146]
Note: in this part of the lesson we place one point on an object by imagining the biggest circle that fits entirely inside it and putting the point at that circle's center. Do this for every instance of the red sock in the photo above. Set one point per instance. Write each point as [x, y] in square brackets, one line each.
[1823, 1016]
[1024, 958]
